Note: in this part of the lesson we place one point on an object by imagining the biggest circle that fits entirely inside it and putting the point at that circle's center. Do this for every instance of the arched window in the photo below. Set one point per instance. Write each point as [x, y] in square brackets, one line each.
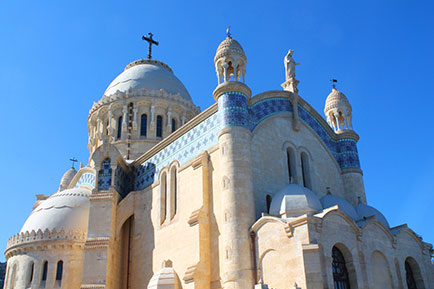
[173, 124]
[290, 158]
[105, 175]
[44, 274]
[340, 273]
[163, 197]
[30, 274]
[59, 270]
[268, 200]
[173, 192]
[159, 126]
[143, 124]
[119, 127]
[305, 171]
[409, 276]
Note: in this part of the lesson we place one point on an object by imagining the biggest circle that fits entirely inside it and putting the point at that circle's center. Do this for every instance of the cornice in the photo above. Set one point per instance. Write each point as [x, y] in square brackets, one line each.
[230, 86]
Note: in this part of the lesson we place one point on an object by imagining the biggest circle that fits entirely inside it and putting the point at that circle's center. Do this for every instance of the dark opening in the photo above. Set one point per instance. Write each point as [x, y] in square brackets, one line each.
[173, 124]
[268, 199]
[44, 271]
[119, 127]
[159, 126]
[143, 124]
[340, 273]
[409, 276]
[59, 271]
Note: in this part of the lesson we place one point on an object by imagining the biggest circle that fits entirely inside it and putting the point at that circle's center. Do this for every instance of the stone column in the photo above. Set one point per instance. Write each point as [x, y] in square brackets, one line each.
[237, 195]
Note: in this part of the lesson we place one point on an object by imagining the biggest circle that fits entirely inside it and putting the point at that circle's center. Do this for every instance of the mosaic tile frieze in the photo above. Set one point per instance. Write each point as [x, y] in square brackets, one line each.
[86, 179]
[234, 110]
[105, 175]
[266, 108]
[344, 150]
[184, 149]
[122, 181]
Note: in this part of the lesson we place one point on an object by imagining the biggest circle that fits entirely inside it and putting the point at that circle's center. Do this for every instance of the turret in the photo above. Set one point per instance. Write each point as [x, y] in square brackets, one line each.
[234, 142]
[338, 112]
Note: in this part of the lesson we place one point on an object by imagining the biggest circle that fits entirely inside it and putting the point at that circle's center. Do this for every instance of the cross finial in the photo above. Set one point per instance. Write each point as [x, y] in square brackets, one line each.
[228, 31]
[334, 81]
[150, 41]
[73, 160]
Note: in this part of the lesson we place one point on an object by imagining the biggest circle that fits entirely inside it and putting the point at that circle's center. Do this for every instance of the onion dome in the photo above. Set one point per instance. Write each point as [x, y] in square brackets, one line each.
[165, 278]
[148, 74]
[67, 209]
[344, 206]
[294, 200]
[366, 211]
[67, 178]
[338, 111]
[230, 61]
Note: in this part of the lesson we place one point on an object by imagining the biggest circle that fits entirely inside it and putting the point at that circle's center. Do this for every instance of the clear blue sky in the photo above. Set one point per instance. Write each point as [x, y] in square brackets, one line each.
[58, 57]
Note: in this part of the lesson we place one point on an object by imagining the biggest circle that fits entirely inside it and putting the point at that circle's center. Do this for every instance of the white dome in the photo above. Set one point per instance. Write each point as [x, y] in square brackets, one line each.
[294, 200]
[229, 47]
[165, 278]
[331, 200]
[67, 178]
[147, 74]
[337, 99]
[68, 210]
[365, 211]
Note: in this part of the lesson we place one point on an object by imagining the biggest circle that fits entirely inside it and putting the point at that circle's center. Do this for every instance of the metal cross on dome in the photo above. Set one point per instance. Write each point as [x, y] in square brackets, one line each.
[150, 41]
[73, 160]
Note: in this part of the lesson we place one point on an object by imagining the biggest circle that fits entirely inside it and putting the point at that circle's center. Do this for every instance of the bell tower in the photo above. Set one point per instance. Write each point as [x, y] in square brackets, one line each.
[238, 205]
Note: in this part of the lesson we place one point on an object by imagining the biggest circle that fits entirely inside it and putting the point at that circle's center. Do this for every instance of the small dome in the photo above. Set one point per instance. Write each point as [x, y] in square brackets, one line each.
[229, 47]
[68, 209]
[331, 200]
[148, 74]
[365, 211]
[294, 200]
[165, 278]
[67, 178]
[337, 99]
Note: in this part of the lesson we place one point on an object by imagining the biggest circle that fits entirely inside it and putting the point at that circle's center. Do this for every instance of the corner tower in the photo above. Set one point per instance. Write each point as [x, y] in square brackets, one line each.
[338, 112]
[238, 206]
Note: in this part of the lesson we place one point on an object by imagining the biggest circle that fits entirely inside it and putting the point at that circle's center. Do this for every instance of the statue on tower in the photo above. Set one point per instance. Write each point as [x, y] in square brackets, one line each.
[291, 83]
[290, 65]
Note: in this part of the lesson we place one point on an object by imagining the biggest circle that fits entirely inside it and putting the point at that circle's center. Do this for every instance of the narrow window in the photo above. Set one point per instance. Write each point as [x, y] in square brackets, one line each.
[163, 198]
[291, 165]
[159, 126]
[143, 124]
[59, 271]
[107, 127]
[268, 199]
[44, 274]
[173, 124]
[305, 171]
[340, 273]
[173, 192]
[30, 274]
[119, 127]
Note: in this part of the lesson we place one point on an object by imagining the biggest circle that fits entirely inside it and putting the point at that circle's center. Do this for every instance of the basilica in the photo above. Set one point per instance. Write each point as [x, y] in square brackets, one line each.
[256, 191]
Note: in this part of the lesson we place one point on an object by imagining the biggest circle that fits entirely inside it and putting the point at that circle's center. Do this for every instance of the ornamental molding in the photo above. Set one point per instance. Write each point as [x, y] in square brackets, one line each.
[24, 240]
[97, 243]
[232, 86]
[92, 286]
[131, 93]
[271, 94]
